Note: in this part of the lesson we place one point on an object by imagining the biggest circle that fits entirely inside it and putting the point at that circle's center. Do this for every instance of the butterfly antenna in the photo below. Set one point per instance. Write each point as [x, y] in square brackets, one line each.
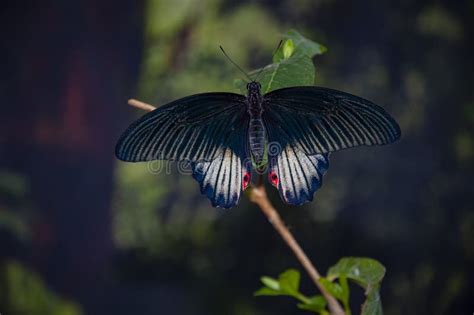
[273, 55]
[236, 65]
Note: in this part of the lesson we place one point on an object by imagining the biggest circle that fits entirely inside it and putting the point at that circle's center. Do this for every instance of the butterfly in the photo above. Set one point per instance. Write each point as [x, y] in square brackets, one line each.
[225, 136]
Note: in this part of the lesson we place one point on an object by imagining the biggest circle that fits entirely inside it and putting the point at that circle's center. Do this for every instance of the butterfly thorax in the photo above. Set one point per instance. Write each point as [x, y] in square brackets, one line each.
[256, 130]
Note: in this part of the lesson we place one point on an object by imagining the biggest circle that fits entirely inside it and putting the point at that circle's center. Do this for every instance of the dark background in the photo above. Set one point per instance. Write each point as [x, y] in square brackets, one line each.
[81, 232]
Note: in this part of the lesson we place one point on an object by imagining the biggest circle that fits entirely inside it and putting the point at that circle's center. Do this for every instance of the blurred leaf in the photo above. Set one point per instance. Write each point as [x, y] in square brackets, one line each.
[290, 280]
[339, 290]
[12, 184]
[366, 272]
[15, 214]
[288, 49]
[177, 12]
[315, 304]
[139, 191]
[271, 283]
[345, 293]
[15, 223]
[265, 291]
[438, 21]
[373, 303]
[464, 145]
[333, 288]
[287, 284]
[203, 67]
[27, 294]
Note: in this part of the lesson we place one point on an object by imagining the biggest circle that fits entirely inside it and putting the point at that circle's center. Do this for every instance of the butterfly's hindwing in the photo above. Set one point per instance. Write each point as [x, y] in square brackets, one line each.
[297, 175]
[192, 128]
[224, 178]
[319, 120]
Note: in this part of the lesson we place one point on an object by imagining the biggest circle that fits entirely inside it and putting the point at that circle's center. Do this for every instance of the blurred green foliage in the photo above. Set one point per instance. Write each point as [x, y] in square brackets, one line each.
[21, 290]
[24, 292]
[170, 69]
[437, 21]
[15, 212]
[391, 202]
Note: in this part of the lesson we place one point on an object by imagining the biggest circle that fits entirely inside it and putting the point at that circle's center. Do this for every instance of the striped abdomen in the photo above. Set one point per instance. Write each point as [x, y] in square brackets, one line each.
[257, 135]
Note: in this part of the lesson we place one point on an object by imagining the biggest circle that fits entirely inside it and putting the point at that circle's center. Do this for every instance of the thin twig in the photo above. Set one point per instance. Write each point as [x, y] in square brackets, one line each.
[259, 197]
[141, 105]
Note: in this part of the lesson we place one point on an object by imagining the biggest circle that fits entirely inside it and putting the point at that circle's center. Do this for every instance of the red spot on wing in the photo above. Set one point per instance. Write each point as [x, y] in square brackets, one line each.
[245, 180]
[273, 178]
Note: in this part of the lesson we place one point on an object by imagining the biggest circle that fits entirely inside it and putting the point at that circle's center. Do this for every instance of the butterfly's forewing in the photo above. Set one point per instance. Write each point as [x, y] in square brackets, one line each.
[306, 123]
[207, 130]
[319, 120]
[193, 128]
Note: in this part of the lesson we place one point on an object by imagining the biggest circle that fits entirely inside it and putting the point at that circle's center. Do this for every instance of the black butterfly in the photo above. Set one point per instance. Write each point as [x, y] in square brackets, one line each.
[221, 134]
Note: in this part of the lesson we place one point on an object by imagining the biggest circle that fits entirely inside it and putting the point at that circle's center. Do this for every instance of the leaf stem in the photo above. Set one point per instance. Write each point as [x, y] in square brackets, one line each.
[259, 196]
[302, 298]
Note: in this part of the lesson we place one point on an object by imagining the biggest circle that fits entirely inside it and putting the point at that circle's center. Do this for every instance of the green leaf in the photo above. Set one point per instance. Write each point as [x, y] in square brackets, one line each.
[288, 49]
[290, 280]
[305, 45]
[298, 70]
[271, 283]
[333, 288]
[265, 291]
[287, 284]
[345, 293]
[294, 71]
[315, 303]
[373, 303]
[29, 294]
[299, 43]
[366, 272]
[292, 65]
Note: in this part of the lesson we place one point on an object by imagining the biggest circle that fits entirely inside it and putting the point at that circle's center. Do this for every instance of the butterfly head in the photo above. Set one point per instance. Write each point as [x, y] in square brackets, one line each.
[253, 87]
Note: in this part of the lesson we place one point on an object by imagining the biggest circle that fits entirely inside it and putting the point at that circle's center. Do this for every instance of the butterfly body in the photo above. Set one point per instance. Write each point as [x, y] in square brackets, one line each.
[256, 130]
[220, 134]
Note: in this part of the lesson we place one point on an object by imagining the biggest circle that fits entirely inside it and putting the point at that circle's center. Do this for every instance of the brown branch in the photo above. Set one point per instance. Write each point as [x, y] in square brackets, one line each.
[141, 105]
[259, 196]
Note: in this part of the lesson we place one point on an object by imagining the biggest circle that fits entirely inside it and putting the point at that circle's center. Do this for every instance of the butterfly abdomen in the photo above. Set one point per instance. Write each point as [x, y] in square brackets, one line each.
[257, 135]
[256, 131]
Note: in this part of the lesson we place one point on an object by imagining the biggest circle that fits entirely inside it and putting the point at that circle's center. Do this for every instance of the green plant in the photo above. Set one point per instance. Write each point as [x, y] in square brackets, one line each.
[366, 272]
[23, 291]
